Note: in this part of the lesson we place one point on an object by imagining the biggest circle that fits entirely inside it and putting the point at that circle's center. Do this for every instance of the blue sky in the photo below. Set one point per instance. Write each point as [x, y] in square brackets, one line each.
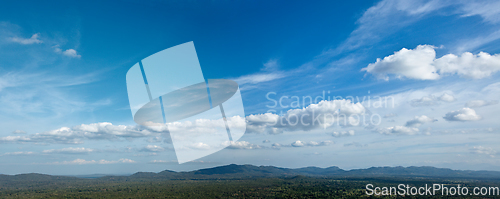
[64, 105]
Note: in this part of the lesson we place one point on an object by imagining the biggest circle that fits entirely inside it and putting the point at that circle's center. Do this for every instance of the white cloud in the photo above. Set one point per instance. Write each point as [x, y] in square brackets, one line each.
[469, 65]
[424, 101]
[480, 103]
[343, 133]
[19, 132]
[356, 144]
[76, 134]
[41, 98]
[266, 141]
[431, 100]
[389, 16]
[389, 115]
[83, 161]
[419, 120]
[413, 64]
[447, 97]
[33, 40]
[321, 115]
[398, 130]
[200, 146]
[153, 148]
[176, 162]
[162, 161]
[464, 114]
[271, 65]
[484, 150]
[68, 52]
[268, 73]
[488, 10]
[263, 123]
[241, 145]
[299, 143]
[71, 53]
[421, 63]
[154, 139]
[69, 150]
[19, 153]
[258, 78]
[276, 145]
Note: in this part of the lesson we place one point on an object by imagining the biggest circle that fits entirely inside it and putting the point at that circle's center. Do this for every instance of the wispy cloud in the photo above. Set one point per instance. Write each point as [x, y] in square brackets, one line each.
[33, 40]
[19, 153]
[300, 143]
[70, 150]
[484, 150]
[103, 161]
[480, 103]
[152, 148]
[269, 72]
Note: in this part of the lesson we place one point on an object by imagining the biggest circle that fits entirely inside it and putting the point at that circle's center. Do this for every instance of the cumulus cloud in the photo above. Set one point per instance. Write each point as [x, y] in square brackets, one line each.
[95, 131]
[424, 101]
[298, 143]
[202, 126]
[469, 65]
[464, 114]
[419, 120]
[33, 40]
[480, 103]
[266, 141]
[68, 52]
[263, 123]
[69, 150]
[421, 63]
[71, 53]
[343, 133]
[398, 130]
[413, 64]
[241, 145]
[432, 100]
[321, 115]
[447, 97]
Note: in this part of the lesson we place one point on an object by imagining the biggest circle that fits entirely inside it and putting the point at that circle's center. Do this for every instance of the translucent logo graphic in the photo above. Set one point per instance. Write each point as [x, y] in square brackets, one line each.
[167, 91]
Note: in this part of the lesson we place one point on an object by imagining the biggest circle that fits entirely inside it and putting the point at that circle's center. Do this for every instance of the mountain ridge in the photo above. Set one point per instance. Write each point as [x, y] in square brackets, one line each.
[252, 171]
